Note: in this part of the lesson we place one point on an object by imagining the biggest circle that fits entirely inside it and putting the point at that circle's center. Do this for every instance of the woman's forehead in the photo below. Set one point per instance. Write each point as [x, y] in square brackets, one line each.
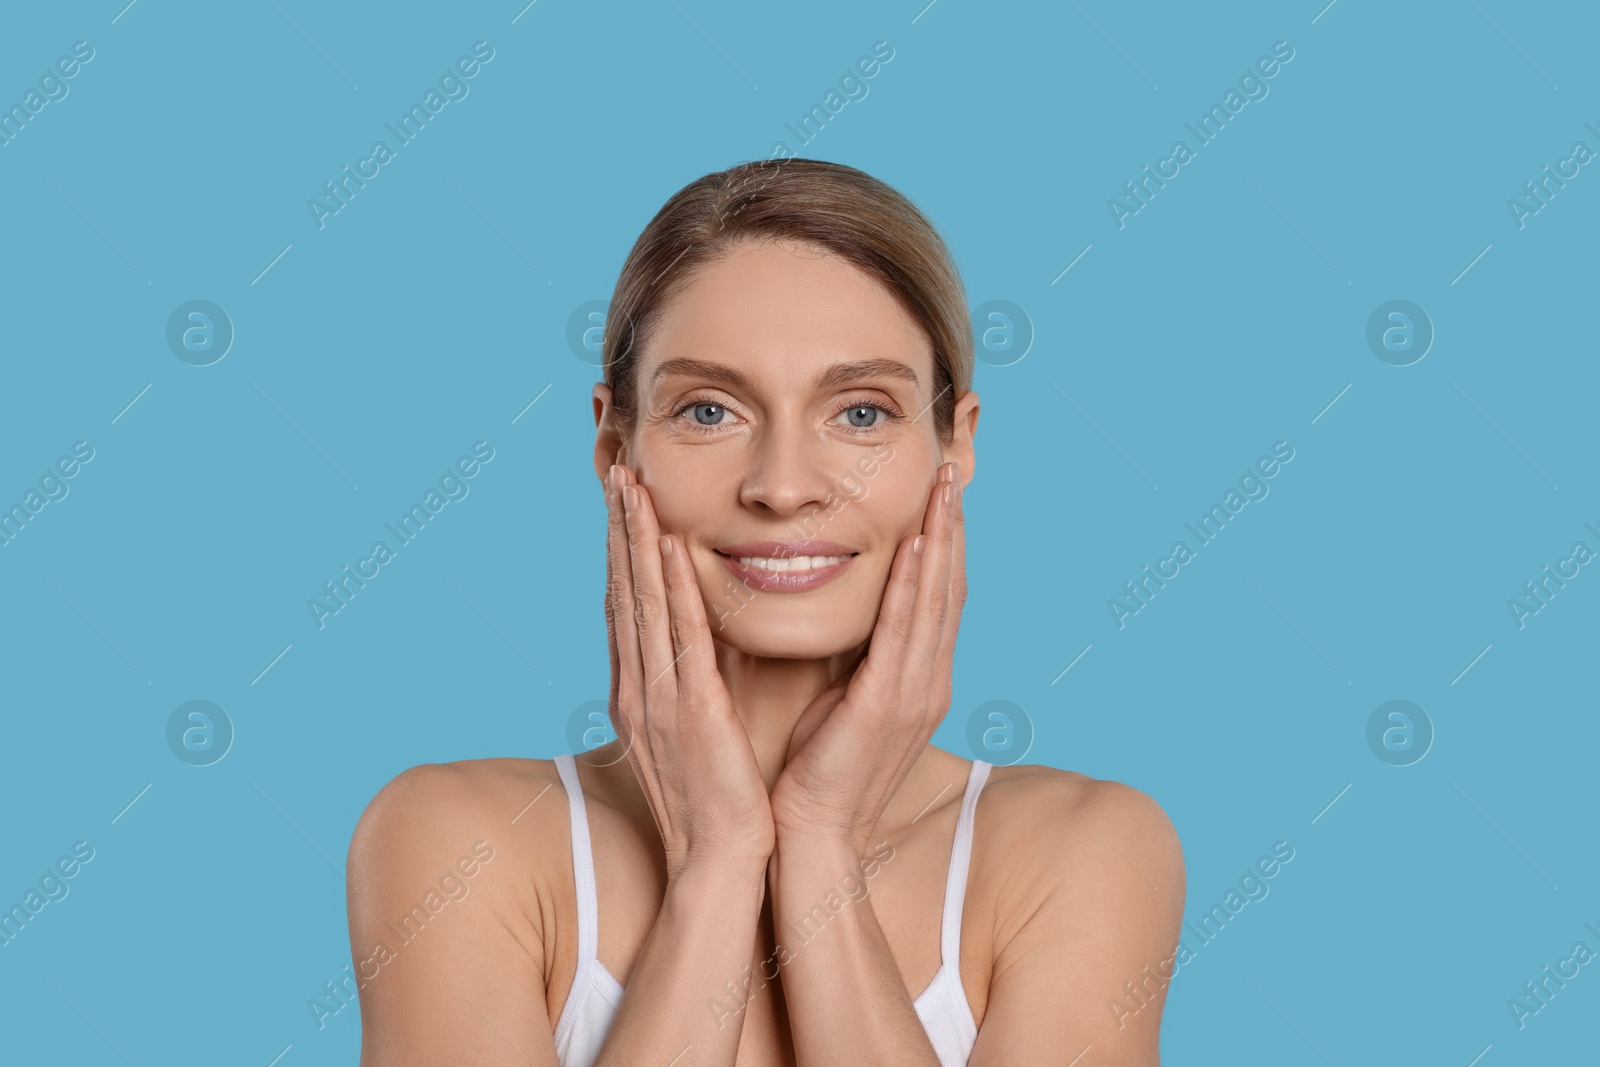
[776, 311]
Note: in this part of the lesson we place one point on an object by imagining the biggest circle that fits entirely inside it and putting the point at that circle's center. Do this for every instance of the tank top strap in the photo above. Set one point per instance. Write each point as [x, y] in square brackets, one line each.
[955, 889]
[582, 861]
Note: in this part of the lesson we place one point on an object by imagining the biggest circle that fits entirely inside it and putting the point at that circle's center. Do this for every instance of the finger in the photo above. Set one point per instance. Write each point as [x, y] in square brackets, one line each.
[649, 595]
[627, 682]
[886, 650]
[958, 589]
[927, 678]
[692, 649]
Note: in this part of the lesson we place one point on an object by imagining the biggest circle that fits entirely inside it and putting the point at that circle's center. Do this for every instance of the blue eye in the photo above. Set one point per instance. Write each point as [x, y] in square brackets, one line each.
[700, 409]
[707, 415]
[862, 409]
[858, 412]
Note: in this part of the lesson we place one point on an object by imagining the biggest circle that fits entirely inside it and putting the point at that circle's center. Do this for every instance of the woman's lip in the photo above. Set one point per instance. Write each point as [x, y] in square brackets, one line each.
[786, 549]
[785, 581]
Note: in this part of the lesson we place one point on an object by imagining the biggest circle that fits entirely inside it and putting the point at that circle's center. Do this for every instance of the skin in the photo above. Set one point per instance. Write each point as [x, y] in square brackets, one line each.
[773, 748]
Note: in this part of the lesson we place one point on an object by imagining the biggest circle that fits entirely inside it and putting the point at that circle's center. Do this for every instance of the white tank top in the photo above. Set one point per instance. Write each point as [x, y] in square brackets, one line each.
[596, 994]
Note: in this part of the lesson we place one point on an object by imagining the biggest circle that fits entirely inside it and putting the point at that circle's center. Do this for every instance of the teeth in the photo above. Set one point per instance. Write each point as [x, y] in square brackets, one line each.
[795, 563]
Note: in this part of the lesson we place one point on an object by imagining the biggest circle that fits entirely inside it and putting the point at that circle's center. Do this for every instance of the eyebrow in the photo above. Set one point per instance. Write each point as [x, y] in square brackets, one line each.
[840, 374]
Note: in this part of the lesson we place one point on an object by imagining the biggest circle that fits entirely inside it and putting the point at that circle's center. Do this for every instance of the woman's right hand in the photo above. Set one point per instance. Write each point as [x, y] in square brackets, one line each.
[669, 705]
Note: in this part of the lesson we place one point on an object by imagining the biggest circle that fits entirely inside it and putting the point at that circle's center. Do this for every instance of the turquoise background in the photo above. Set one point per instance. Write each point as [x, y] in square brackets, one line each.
[1228, 314]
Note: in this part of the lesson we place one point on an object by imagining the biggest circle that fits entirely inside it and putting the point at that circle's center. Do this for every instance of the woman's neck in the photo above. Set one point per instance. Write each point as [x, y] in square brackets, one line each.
[769, 696]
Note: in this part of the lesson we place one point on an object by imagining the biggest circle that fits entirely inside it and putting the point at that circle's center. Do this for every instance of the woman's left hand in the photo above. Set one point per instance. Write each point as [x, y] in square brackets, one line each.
[855, 743]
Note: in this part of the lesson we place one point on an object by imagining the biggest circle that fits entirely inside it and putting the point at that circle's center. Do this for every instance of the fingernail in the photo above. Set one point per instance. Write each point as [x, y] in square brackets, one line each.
[629, 495]
[916, 546]
[614, 476]
[947, 472]
[666, 547]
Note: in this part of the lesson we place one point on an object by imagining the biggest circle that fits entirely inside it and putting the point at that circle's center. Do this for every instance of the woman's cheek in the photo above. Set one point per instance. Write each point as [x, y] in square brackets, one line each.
[908, 508]
[673, 513]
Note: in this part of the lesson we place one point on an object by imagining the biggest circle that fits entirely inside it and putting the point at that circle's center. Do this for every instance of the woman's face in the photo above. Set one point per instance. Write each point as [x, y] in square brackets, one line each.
[786, 398]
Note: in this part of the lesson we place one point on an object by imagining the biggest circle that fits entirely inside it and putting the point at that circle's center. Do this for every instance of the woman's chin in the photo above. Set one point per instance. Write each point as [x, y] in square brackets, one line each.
[795, 636]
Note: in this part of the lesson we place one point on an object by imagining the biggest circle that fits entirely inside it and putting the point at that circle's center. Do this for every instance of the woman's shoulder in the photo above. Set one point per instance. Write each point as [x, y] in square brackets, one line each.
[1064, 829]
[427, 817]
[431, 797]
[464, 849]
[1028, 786]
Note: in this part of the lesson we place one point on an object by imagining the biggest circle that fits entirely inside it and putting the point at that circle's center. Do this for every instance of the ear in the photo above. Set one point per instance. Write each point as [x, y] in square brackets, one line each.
[964, 428]
[608, 447]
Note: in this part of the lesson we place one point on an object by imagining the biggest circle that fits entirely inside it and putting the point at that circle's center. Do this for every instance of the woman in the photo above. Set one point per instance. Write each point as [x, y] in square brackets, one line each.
[771, 858]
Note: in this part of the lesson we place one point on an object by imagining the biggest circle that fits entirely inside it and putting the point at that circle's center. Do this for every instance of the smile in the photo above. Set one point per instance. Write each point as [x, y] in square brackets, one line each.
[793, 563]
[786, 574]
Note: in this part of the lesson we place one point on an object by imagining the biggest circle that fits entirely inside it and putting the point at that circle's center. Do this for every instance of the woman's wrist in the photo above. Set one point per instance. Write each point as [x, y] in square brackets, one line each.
[815, 838]
[718, 875]
[815, 848]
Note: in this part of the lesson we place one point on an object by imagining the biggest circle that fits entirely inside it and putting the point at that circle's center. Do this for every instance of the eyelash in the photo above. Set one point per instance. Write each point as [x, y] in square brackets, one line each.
[888, 409]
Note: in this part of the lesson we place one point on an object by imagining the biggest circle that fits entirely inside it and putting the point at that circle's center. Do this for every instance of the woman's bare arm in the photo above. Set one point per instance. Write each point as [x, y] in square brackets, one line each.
[1087, 926]
[450, 966]
[469, 984]
[847, 1002]
[1090, 908]
[677, 1008]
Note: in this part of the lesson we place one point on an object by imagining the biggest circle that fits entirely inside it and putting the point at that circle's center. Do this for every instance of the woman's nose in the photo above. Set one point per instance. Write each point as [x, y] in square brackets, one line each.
[788, 473]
